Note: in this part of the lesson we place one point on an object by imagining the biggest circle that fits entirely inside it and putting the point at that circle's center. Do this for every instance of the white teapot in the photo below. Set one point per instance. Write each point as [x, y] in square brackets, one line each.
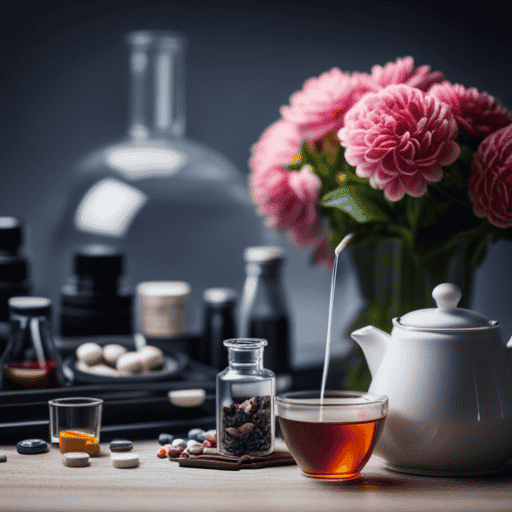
[449, 382]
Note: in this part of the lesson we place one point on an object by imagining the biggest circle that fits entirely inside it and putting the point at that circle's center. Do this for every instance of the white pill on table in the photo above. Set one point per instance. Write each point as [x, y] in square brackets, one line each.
[130, 363]
[75, 459]
[89, 353]
[151, 357]
[112, 352]
[194, 448]
[125, 460]
[179, 442]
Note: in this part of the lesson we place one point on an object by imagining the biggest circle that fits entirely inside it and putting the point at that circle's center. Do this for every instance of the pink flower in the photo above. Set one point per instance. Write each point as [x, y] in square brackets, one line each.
[400, 138]
[490, 182]
[403, 72]
[321, 105]
[289, 199]
[477, 114]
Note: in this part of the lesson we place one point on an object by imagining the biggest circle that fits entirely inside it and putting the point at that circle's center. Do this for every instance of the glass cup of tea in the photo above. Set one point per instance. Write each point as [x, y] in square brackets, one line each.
[331, 438]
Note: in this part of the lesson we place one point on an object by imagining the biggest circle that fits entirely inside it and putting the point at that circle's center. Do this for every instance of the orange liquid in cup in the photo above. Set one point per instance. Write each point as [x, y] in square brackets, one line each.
[331, 451]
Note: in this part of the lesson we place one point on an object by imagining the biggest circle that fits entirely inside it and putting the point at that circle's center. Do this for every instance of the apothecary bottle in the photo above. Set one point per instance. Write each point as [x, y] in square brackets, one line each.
[177, 209]
[245, 401]
[30, 359]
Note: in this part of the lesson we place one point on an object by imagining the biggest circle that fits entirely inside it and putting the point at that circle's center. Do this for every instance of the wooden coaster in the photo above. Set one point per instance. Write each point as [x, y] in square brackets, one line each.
[218, 461]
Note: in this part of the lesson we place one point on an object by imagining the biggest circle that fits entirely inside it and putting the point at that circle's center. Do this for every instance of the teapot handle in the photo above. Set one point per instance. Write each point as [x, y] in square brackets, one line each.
[509, 351]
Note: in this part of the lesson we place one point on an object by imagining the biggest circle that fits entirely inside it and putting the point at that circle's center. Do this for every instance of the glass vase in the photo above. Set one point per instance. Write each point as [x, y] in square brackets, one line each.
[394, 281]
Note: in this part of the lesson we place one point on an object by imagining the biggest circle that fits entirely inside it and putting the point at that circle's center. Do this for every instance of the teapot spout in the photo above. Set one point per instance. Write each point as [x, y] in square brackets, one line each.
[374, 343]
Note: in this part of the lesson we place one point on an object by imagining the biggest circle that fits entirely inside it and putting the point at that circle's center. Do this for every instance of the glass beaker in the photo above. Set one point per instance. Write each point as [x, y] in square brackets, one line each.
[30, 359]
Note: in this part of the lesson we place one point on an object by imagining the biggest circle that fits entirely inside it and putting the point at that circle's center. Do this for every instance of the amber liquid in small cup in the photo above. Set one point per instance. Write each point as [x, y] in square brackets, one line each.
[331, 451]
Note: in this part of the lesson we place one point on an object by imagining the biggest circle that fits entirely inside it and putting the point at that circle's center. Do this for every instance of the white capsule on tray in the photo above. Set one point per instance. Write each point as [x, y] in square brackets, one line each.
[89, 353]
[130, 363]
[112, 352]
[151, 358]
[125, 460]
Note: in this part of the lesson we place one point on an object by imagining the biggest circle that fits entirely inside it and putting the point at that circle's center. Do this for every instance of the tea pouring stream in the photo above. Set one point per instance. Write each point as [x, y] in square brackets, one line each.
[449, 382]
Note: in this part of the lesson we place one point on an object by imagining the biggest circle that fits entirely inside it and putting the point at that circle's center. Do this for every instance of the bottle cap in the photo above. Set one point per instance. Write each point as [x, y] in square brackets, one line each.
[30, 306]
[10, 233]
[98, 261]
[220, 296]
[263, 253]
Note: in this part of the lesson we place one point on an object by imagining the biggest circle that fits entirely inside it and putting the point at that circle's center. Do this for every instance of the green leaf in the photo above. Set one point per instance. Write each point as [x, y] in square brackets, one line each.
[359, 206]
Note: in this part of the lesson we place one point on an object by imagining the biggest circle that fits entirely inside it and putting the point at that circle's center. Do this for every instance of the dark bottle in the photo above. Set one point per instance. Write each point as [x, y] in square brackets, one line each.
[30, 359]
[93, 302]
[219, 325]
[263, 311]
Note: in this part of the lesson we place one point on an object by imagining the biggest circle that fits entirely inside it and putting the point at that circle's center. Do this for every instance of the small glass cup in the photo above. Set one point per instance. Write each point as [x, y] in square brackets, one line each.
[332, 438]
[81, 415]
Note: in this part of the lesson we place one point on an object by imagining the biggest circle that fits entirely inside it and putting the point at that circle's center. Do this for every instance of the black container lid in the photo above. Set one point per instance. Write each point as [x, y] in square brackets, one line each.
[30, 306]
[10, 233]
[98, 262]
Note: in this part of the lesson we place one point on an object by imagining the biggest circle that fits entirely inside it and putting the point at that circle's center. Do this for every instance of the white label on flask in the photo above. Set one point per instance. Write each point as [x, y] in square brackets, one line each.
[108, 208]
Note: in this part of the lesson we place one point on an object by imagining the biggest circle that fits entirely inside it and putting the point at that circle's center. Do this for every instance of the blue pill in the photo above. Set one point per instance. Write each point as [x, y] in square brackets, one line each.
[197, 434]
[120, 445]
[165, 439]
[31, 446]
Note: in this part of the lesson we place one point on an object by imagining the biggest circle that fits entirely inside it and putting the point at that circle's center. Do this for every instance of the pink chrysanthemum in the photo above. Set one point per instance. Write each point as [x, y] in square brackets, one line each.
[400, 138]
[490, 182]
[288, 199]
[477, 113]
[320, 107]
[403, 72]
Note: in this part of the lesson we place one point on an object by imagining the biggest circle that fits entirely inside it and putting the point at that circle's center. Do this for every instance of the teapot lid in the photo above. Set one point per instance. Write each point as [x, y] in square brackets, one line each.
[447, 315]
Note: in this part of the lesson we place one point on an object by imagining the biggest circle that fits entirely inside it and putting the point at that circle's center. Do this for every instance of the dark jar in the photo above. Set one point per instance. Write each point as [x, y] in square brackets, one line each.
[245, 401]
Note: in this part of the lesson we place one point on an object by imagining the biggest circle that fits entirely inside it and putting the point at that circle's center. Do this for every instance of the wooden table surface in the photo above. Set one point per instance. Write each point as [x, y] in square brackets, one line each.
[41, 482]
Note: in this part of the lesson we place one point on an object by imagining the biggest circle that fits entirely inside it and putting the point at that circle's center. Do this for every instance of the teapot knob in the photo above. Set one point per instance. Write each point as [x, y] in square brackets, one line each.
[447, 296]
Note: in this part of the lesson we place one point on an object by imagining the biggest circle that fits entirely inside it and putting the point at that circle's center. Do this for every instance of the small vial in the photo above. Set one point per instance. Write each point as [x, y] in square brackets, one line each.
[245, 401]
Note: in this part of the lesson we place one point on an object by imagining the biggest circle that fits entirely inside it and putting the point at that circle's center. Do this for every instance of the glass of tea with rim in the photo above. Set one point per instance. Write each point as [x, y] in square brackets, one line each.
[331, 438]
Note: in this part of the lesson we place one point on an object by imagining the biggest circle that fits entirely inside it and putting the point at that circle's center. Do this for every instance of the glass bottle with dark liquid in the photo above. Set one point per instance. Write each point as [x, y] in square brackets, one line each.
[263, 310]
[30, 359]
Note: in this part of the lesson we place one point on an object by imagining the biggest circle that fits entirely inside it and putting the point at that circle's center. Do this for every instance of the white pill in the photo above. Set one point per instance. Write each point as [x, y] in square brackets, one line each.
[194, 448]
[179, 442]
[75, 459]
[210, 451]
[187, 397]
[151, 357]
[125, 460]
[112, 352]
[130, 363]
[89, 353]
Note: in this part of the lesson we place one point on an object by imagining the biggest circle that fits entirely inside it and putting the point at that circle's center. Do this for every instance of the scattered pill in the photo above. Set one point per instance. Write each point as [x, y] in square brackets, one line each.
[89, 353]
[197, 434]
[112, 352]
[179, 442]
[3, 457]
[165, 439]
[121, 445]
[175, 452]
[195, 449]
[31, 446]
[162, 453]
[125, 460]
[75, 459]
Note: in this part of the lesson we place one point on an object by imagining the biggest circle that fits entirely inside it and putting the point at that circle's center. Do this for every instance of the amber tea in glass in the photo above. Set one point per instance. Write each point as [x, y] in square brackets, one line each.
[331, 438]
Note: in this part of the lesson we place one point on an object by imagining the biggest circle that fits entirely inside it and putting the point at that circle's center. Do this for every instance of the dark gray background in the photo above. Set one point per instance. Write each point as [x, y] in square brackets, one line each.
[64, 88]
